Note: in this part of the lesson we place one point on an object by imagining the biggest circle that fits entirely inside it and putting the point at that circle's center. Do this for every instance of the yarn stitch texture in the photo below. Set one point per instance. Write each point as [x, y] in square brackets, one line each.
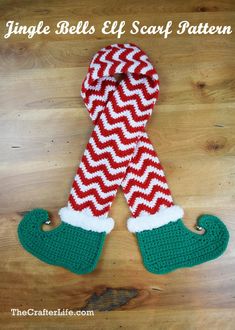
[120, 91]
[174, 246]
[71, 247]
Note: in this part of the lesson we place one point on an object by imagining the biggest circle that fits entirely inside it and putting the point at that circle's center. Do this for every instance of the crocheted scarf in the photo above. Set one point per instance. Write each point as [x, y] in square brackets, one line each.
[120, 91]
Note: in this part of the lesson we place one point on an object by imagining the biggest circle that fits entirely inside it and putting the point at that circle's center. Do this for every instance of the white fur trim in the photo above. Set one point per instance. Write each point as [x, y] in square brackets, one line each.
[161, 218]
[86, 221]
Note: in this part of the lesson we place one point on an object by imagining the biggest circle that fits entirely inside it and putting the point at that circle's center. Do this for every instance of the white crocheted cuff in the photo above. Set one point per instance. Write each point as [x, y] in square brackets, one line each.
[86, 221]
[161, 218]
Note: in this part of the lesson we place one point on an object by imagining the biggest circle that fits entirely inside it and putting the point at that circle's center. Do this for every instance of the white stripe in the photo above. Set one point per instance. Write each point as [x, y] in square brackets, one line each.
[140, 163]
[120, 125]
[131, 46]
[94, 185]
[110, 150]
[108, 64]
[149, 65]
[96, 67]
[133, 102]
[137, 111]
[92, 198]
[116, 58]
[126, 114]
[104, 97]
[113, 137]
[130, 58]
[99, 174]
[99, 83]
[96, 112]
[105, 162]
[152, 203]
[143, 177]
[129, 92]
[146, 191]
[144, 81]
[85, 83]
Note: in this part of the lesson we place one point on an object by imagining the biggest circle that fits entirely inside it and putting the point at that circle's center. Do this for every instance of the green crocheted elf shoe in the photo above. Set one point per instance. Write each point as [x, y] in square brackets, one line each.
[166, 244]
[76, 244]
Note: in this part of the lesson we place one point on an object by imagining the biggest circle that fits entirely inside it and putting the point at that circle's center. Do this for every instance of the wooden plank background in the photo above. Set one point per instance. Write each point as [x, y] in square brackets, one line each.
[44, 128]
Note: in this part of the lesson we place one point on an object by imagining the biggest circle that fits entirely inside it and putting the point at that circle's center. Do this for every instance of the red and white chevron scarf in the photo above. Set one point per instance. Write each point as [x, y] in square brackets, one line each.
[119, 152]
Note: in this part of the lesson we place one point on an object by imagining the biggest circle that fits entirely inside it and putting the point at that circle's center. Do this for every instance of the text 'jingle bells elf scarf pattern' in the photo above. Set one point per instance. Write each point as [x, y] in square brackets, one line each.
[119, 152]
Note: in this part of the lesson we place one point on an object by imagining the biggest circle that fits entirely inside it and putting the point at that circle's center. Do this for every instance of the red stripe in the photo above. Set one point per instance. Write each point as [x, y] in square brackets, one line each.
[151, 210]
[88, 204]
[133, 182]
[108, 156]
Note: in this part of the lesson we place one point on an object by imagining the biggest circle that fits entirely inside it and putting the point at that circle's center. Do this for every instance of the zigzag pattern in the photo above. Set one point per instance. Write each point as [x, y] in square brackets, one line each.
[145, 185]
[119, 151]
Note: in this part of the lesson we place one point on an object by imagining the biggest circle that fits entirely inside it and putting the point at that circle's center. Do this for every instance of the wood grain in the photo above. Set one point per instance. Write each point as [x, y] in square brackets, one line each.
[44, 128]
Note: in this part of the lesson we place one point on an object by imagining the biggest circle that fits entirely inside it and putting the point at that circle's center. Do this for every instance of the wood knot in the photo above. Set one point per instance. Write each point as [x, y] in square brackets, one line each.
[110, 299]
[206, 9]
[202, 9]
[216, 145]
[201, 84]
